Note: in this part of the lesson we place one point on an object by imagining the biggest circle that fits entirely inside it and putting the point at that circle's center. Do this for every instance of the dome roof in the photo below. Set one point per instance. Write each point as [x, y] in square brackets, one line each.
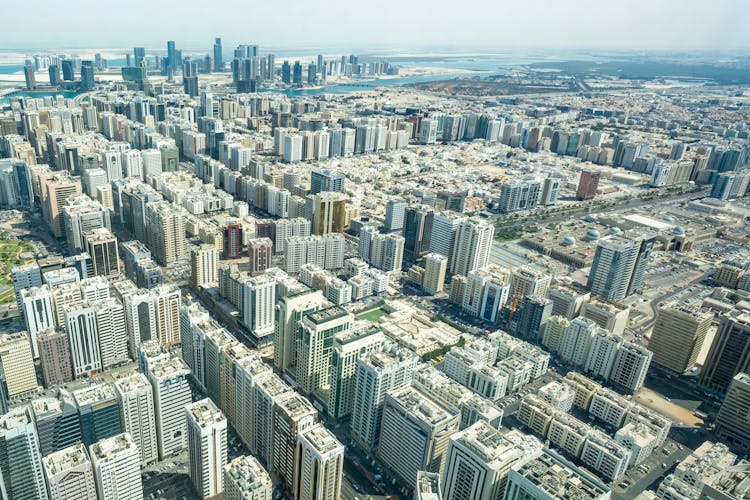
[668, 218]
[593, 234]
[615, 230]
[569, 241]
[678, 231]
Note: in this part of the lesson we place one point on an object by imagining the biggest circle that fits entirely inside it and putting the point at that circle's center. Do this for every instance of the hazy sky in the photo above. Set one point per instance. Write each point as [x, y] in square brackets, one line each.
[498, 24]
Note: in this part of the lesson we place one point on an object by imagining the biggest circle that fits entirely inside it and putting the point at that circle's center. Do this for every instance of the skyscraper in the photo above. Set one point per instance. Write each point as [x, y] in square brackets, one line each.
[472, 246]
[28, 72]
[112, 332]
[318, 465]
[21, 466]
[218, 56]
[207, 446]
[57, 422]
[117, 472]
[678, 336]
[87, 76]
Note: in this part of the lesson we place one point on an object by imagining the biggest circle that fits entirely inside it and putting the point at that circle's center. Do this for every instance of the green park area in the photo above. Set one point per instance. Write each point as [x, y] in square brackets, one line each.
[12, 253]
[373, 314]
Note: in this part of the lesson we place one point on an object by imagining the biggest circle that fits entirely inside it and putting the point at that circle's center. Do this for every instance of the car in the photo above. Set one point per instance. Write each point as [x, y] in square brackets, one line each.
[663, 465]
[623, 485]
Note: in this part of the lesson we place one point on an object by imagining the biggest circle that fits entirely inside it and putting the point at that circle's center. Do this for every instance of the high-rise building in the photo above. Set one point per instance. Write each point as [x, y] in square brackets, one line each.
[136, 398]
[261, 254]
[87, 76]
[533, 480]
[101, 245]
[204, 266]
[85, 350]
[472, 246]
[21, 466]
[443, 233]
[315, 347]
[292, 414]
[395, 213]
[415, 433]
[348, 346]
[56, 422]
[207, 446]
[587, 185]
[17, 374]
[117, 471]
[619, 266]
[172, 392]
[99, 412]
[318, 465]
[167, 300]
[733, 420]
[112, 332]
[530, 318]
[218, 56]
[435, 266]
[69, 474]
[246, 479]
[327, 180]
[328, 212]
[81, 215]
[54, 356]
[417, 231]
[30, 77]
[290, 309]
[550, 190]
[24, 277]
[478, 462]
[678, 336]
[730, 351]
[259, 302]
[165, 224]
[630, 366]
[232, 241]
[56, 187]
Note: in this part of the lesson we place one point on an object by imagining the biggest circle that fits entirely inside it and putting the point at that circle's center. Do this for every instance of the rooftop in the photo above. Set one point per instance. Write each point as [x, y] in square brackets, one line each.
[205, 413]
[65, 459]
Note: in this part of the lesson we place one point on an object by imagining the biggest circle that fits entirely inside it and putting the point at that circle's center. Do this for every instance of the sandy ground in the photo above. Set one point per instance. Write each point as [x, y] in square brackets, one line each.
[679, 415]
